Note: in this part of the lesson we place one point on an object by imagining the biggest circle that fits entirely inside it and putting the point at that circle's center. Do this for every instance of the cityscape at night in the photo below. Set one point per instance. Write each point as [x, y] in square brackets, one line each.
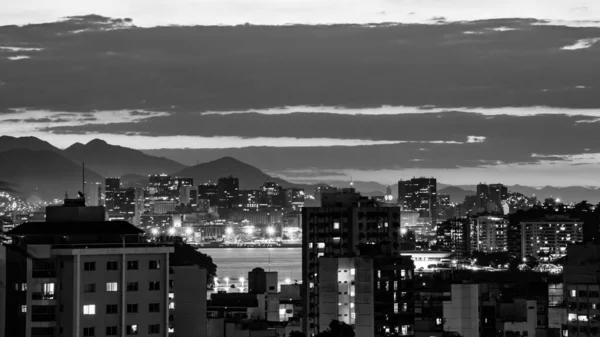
[299, 168]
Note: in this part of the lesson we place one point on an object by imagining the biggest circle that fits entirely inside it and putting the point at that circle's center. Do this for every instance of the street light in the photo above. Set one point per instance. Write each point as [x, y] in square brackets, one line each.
[154, 231]
[228, 230]
[270, 231]
[288, 281]
[172, 231]
[189, 231]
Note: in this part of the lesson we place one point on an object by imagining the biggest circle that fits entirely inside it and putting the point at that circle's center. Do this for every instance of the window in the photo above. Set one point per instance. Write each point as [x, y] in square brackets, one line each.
[395, 308]
[336, 225]
[132, 329]
[89, 309]
[154, 264]
[48, 290]
[112, 265]
[132, 265]
[89, 288]
[152, 286]
[154, 307]
[111, 330]
[153, 329]
[112, 286]
[89, 266]
[132, 286]
[89, 332]
[112, 308]
[132, 308]
[321, 245]
[352, 271]
[23, 308]
[573, 293]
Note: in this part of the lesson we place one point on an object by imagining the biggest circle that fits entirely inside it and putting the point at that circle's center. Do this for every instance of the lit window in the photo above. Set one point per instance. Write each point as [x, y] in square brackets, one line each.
[351, 305]
[132, 329]
[336, 225]
[321, 245]
[573, 293]
[395, 308]
[582, 318]
[352, 271]
[112, 286]
[172, 305]
[572, 317]
[23, 308]
[89, 309]
[48, 290]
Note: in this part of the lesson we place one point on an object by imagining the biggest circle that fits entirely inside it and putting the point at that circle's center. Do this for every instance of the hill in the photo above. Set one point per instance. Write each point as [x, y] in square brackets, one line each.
[249, 176]
[42, 173]
[31, 143]
[115, 161]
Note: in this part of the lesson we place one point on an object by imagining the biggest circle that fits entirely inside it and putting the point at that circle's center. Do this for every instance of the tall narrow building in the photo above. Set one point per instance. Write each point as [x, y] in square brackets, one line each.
[332, 236]
[228, 190]
[419, 194]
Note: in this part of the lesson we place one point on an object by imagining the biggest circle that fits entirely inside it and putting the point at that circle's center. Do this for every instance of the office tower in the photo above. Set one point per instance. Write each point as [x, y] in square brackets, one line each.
[209, 192]
[455, 235]
[164, 206]
[85, 277]
[194, 197]
[159, 185]
[228, 188]
[550, 235]
[177, 182]
[483, 193]
[419, 194]
[111, 186]
[185, 197]
[271, 195]
[139, 207]
[498, 193]
[294, 197]
[344, 222]
[93, 194]
[248, 199]
[489, 234]
[124, 200]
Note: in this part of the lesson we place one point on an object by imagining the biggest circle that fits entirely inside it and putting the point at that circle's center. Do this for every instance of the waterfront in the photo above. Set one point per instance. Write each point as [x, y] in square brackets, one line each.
[234, 263]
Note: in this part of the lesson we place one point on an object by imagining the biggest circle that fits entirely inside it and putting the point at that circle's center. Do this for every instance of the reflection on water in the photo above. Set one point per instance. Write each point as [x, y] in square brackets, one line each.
[234, 263]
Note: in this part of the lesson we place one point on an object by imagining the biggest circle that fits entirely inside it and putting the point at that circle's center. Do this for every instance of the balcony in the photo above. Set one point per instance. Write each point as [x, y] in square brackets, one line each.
[42, 296]
[43, 317]
[43, 273]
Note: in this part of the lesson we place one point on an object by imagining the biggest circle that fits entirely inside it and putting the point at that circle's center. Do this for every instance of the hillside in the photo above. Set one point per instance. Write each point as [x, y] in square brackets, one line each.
[43, 173]
[115, 161]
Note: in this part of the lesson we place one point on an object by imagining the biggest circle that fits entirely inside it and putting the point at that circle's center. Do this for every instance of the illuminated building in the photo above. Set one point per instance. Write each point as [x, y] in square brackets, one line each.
[550, 235]
[455, 235]
[85, 277]
[294, 197]
[164, 206]
[489, 234]
[159, 184]
[209, 192]
[491, 197]
[93, 194]
[228, 188]
[271, 195]
[185, 197]
[111, 186]
[419, 194]
[345, 221]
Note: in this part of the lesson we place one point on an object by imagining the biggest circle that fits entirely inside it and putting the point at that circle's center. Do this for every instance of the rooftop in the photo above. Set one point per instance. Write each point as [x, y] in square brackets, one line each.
[75, 228]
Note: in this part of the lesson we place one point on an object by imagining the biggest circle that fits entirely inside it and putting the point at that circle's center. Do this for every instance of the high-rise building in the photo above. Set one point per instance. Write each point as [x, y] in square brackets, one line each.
[185, 197]
[419, 194]
[159, 184]
[344, 222]
[489, 234]
[498, 193]
[228, 188]
[483, 193]
[139, 206]
[490, 198]
[294, 197]
[455, 235]
[209, 192]
[550, 235]
[79, 275]
[93, 194]
[111, 187]
[124, 201]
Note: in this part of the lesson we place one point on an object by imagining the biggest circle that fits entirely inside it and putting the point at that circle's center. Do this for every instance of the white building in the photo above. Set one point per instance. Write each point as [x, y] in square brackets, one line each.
[462, 311]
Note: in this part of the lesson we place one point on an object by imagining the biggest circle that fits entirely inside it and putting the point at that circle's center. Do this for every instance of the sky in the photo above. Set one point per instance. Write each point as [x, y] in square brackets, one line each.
[463, 90]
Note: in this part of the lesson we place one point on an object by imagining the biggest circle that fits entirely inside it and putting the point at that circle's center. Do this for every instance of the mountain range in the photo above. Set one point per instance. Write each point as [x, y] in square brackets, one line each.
[36, 169]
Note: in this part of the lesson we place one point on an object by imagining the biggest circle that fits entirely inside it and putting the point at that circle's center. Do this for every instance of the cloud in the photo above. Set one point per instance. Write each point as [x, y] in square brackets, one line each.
[582, 44]
[17, 49]
[399, 110]
[475, 139]
[18, 57]
[281, 12]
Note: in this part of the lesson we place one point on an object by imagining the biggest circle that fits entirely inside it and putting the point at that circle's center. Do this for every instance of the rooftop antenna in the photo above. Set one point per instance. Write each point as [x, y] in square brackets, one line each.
[83, 180]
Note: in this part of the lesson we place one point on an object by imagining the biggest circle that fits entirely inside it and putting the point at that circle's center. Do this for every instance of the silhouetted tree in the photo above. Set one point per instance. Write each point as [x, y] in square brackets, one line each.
[338, 329]
[186, 255]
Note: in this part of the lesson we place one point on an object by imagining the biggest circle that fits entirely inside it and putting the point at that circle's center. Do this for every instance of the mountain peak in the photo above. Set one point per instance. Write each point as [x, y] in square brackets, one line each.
[96, 141]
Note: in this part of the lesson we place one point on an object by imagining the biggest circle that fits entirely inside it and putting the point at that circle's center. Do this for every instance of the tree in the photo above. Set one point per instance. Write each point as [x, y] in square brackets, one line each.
[338, 329]
[186, 255]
